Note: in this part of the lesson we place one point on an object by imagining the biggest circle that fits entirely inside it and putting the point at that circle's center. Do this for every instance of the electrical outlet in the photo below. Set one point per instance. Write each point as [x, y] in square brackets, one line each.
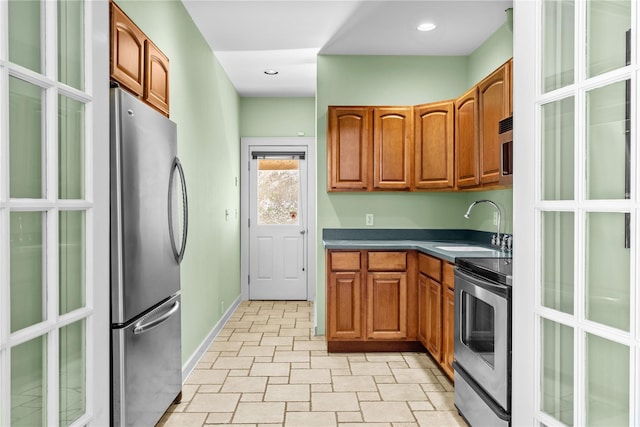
[495, 218]
[368, 219]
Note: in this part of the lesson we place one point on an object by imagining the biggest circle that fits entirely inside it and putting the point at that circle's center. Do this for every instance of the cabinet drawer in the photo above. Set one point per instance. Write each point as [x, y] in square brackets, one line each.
[387, 261]
[447, 275]
[430, 266]
[345, 261]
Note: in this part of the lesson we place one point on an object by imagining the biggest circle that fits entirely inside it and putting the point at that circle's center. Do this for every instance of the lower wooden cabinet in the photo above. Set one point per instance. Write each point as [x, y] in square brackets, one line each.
[387, 305]
[390, 301]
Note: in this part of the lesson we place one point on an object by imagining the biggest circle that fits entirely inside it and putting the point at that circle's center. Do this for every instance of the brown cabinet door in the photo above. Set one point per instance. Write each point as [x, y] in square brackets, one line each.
[156, 83]
[434, 313]
[387, 305]
[466, 139]
[448, 314]
[127, 51]
[423, 308]
[493, 96]
[344, 313]
[433, 142]
[392, 148]
[348, 149]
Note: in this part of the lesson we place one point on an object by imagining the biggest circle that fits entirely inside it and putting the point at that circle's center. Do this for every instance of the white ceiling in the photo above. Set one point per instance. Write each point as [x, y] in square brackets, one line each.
[251, 36]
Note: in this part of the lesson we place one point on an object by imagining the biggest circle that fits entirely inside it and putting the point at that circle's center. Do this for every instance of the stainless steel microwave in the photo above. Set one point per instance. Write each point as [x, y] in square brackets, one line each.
[505, 138]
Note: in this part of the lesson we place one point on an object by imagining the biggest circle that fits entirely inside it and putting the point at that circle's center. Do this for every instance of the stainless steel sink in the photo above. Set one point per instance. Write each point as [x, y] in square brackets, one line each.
[467, 248]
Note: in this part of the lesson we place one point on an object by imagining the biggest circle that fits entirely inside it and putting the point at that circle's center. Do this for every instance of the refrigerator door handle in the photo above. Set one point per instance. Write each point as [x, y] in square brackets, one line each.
[141, 327]
[179, 254]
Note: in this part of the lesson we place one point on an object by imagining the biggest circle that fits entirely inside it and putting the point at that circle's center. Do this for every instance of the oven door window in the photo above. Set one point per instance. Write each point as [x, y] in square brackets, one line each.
[478, 327]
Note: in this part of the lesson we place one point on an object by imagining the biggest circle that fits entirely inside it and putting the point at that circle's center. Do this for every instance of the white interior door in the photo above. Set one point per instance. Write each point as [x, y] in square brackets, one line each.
[277, 224]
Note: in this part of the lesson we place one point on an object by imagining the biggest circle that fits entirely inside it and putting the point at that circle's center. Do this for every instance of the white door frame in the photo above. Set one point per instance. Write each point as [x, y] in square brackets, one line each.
[245, 159]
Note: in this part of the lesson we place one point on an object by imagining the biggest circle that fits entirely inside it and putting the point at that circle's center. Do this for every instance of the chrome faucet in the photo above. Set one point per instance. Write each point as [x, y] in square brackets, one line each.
[467, 215]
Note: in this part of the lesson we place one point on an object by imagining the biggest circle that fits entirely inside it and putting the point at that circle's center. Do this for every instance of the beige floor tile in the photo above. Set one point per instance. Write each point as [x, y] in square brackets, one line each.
[310, 419]
[401, 392]
[233, 363]
[340, 372]
[432, 387]
[419, 361]
[219, 418]
[239, 325]
[300, 365]
[386, 412]
[183, 420]
[445, 382]
[255, 318]
[368, 396]
[310, 345]
[442, 401]
[384, 379]
[287, 393]
[245, 336]
[439, 418]
[398, 365]
[278, 380]
[422, 405]
[349, 417]
[334, 402]
[238, 372]
[257, 350]
[304, 324]
[321, 388]
[244, 385]
[206, 376]
[291, 356]
[277, 341]
[259, 412]
[333, 362]
[310, 376]
[265, 328]
[414, 376]
[269, 369]
[405, 424]
[384, 357]
[354, 383]
[277, 321]
[298, 406]
[214, 402]
[370, 368]
[263, 359]
[203, 365]
[365, 425]
[252, 397]
[209, 388]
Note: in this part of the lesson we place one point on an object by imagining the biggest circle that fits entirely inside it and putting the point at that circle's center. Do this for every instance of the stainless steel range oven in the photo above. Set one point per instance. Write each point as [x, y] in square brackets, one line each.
[482, 343]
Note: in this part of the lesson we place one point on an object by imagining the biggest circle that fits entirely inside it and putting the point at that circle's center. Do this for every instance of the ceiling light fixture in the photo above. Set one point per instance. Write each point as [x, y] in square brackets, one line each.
[427, 26]
[270, 72]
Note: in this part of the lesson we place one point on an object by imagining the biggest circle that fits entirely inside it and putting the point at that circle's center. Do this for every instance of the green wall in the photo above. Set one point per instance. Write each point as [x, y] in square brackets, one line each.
[277, 116]
[400, 80]
[205, 107]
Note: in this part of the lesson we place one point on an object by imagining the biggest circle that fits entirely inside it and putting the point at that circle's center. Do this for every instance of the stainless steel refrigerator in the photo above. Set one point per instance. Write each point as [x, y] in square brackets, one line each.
[148, 236]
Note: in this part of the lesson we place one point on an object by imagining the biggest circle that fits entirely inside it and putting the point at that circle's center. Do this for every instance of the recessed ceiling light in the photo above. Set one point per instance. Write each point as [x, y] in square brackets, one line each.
[270, 72]
[427, 26]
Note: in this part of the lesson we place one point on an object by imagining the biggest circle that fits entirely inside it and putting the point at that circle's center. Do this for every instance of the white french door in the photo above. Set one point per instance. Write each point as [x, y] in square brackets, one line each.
[53, 212]
[576, 277]
[277, 223]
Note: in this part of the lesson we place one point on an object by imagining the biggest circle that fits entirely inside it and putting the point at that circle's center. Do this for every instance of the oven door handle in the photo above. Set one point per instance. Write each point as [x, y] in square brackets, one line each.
[495, 288]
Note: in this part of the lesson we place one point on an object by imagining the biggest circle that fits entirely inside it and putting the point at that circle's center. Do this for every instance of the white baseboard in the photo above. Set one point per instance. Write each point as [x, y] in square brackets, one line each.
[190, 365]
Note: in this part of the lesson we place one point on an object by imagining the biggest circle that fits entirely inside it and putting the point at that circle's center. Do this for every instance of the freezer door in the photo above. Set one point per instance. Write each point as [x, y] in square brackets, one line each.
[145, 270]
[147, 372]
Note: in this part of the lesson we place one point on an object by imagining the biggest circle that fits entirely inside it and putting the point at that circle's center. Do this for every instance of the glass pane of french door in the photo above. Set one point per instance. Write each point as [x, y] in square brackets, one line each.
[558, 44]
[607, 24]
[557, 378]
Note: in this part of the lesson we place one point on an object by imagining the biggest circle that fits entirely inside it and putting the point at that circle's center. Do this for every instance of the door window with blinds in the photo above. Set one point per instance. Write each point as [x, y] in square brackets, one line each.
[46, 211]
[278, 188]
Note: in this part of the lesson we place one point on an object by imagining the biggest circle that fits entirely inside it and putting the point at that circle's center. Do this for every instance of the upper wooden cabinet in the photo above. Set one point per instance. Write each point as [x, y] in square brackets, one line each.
[369, 148]
[156, 88]
[392, 148]
[348, 149]
[433, 142]
[136, 63]
[466, 138]
[127, 51]
[494, 105]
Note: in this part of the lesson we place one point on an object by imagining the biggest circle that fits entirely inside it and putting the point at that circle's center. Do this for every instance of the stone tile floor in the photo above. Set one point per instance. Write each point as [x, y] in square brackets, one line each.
[266, 368]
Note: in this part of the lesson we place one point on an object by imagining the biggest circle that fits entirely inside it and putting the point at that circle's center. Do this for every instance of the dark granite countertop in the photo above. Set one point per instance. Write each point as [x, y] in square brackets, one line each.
[443, 244]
